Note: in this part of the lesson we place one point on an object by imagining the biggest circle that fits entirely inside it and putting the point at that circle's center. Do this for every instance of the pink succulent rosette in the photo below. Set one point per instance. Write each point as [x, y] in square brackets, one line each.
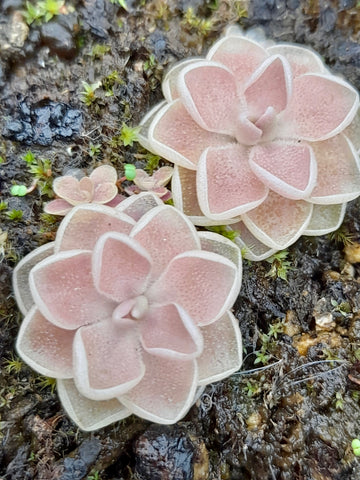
[263, 137]
[129, 309]
[100, 187]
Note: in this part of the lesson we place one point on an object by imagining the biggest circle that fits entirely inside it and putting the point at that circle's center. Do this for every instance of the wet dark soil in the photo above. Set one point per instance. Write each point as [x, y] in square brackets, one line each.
[295, 418]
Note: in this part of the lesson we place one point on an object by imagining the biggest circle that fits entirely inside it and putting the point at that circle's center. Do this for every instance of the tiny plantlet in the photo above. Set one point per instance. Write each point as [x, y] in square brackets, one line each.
[279, 265]
[355, 444]
[121, 3]
[222, 230]
[202, 25]
[94, 150]
[43, 11]
[88, 95]
[130, 171]
[14, 214]
[13, 364]
[129, 135]
[18, 190]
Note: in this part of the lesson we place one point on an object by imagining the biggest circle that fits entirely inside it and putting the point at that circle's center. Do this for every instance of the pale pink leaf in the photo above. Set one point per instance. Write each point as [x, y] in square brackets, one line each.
[222, 354]
[89, 414]
[165, 232]
[21, 276]
[166, 392]
[338, 171]
[63, 289]
[287, 168]
[320, 107]
[239, 54]
[44, 346]
[209, 93]
[120, 266]
[226, 185]
[278, 221]
[301, 59]
[168, 331]
[59, 206]
[82, 227]
[103, 174]
[174, 135]
[269, 86]
[203, 283]
[107, 359]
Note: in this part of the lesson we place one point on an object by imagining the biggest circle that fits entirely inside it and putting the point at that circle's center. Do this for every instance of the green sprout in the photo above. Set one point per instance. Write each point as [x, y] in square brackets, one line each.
[222, 230]
[252, 388]
[45, 382]
[129, 135]
[99, 50]
[43, 10]
[94, 150]
[121, 3]
[355, 444]
[14, 214]
[3, 205]
[342, 236]
[279, 266]
[150, 63]
[130, 171]
[152, 163]
[201, 25]
[339, 401]
[109, 82]
[13, 365]
[344, 307]
[18, 190]
[88, 95]
[41, 170]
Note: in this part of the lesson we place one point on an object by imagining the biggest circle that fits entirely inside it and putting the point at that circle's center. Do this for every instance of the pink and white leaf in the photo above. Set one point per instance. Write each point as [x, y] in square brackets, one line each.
[44, 346]
[63, 289]
[89, 414]
[166, 392]
[21, 274]
[168, 331]
[222, 354]
[107, 359]
[217, 285]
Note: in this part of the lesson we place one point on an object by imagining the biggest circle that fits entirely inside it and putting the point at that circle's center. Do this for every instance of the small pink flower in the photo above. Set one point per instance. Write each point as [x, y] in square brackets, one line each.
[263, 137]
[154, 183]
[100, 187]
[129, 309]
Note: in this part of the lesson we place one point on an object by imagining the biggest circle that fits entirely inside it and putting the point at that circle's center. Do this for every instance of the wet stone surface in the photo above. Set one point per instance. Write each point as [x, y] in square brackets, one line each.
[43, 123]
[164, 453]
[292, 419]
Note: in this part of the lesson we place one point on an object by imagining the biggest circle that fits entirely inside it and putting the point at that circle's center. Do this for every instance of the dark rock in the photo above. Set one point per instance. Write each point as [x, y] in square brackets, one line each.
[44, 122]
[8, 5]
[164, 453]
[18, 468]
[346, 4]
[2, 75]
[327, 19]
[59, 38]
[77, 468]
[293, 4]
[95, 17]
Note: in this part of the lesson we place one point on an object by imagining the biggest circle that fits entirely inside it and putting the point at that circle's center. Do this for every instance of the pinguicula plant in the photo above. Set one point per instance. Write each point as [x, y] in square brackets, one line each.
[155, 183]
[100, 187]
[129, 309]
[263, 137]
